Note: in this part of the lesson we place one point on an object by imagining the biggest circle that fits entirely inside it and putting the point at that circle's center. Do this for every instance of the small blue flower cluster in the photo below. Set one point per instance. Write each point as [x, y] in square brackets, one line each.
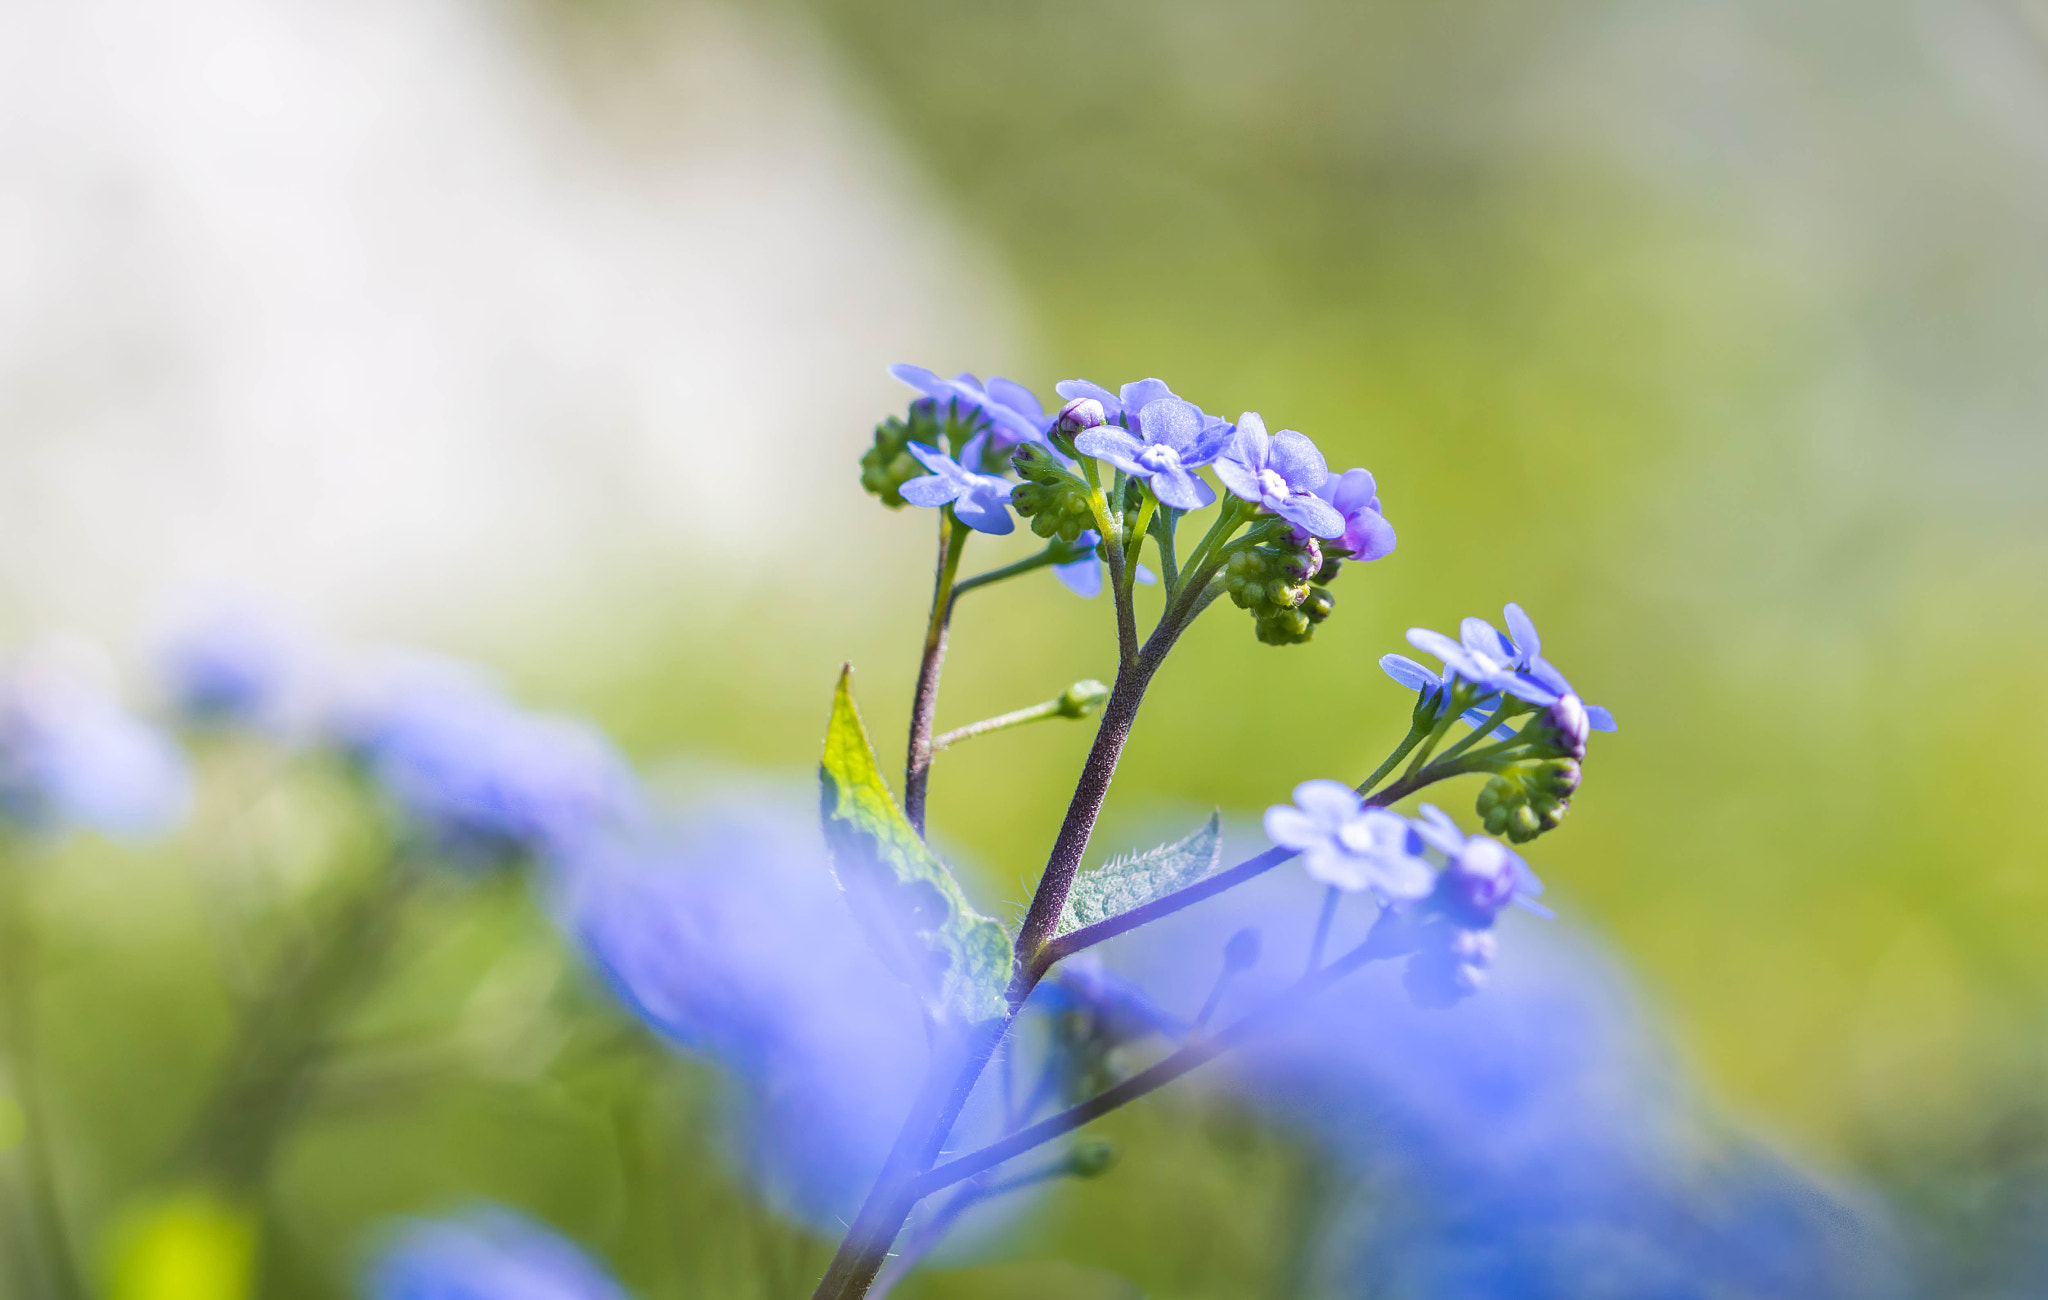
[1499, 665]
[486, 1254]
[480, 779]
[72, 758]
[1149, 436]
[1445, 888]
[474, 778]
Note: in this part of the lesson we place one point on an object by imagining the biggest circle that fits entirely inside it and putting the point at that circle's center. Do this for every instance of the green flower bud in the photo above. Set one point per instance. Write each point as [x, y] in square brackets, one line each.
[1319, 604]
[1052, 497]
[1082, 698]
[888, 464]
[1529, 798]
[1091, 1159]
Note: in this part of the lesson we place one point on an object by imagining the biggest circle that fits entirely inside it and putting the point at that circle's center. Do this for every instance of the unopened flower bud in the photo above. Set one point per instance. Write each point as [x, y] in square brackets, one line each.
[1241, 953]
[1319, 604]
[1081, 413]
[1302, 564]
[1091, 1159]
[1328, 573]
[1082, 698]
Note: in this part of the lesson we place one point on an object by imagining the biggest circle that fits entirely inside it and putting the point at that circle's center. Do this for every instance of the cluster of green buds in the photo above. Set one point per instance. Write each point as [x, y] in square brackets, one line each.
[1279, 577]
[1531, 792]
[888, 464]
[1529, 797]
[1052, 497]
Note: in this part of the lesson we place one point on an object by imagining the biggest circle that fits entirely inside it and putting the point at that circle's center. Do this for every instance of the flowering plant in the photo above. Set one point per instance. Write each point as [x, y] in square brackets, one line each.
[1123, 470]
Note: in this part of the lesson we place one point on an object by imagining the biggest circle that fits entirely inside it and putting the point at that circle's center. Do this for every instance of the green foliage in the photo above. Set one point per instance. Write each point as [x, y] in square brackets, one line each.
[1121, 884]
[909, 906]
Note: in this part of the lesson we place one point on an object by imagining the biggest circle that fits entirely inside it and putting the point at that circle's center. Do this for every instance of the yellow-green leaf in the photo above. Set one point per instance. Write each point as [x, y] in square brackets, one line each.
[909, 905]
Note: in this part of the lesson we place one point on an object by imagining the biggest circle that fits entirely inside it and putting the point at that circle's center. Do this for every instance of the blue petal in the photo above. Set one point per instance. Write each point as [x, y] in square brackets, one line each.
[938, 462]
[1082, 577]
[1117, 446]
[1236, 473]
[1016, 397]
[1409, 673]
[1073, 389]
[1298, 460]
[1171, 422]
[1309, 511]
[1482, 638]
[1180, 489]
[1146, 577]
[922, 380]
[1599, 719]
[1453, 654]
[985, 507]
[1523, 630]
[1136, 396]
[931, 490]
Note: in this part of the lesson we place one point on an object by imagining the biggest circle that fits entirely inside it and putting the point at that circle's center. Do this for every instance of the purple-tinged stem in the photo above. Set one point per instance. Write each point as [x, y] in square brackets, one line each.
[917, 757]
[1157, 1076]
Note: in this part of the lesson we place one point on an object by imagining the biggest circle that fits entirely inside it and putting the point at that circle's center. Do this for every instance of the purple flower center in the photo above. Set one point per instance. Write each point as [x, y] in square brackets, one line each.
[1271, 485]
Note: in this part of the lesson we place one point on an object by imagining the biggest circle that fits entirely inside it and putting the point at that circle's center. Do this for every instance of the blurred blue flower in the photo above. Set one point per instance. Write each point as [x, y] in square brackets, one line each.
[1169, 440]
[1013, 411]
[229, 668]
[981, 501]
[486, 1254]
[1342, 843]
[1280, 472]
[480, 778]
[1083, 577]
[1481, 875]
[728, 936]
[1538, 1143]
[72, 758]
[1355, 496]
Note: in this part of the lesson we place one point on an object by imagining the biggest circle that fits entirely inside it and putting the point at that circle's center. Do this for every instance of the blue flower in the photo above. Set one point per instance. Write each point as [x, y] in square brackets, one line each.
[726, 934]
[1127, 406]
[1083, 577]
[1489, 658]
[482, 779]
[72, 758]
[1343, 843]
[1012, 410]
[229, 669]
[486, 1254]
[1418, 678]
[1355, 495]
[1164, 445]
[981, 501]
[1481, 875]
[1281, 472]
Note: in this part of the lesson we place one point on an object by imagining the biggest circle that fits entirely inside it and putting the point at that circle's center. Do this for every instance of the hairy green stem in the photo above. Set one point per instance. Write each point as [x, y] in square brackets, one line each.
[917, 757]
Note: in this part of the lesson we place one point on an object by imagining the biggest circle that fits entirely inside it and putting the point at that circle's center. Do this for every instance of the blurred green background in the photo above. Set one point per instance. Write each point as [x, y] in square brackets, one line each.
[1710, 333]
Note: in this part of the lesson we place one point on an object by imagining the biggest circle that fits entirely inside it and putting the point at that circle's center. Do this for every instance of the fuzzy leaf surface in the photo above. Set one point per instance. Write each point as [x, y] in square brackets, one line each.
[912, 910]
[1136, 879]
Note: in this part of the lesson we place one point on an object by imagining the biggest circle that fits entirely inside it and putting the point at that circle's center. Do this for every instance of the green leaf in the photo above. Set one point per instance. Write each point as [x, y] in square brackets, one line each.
[1121, 884]
[910, 906]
